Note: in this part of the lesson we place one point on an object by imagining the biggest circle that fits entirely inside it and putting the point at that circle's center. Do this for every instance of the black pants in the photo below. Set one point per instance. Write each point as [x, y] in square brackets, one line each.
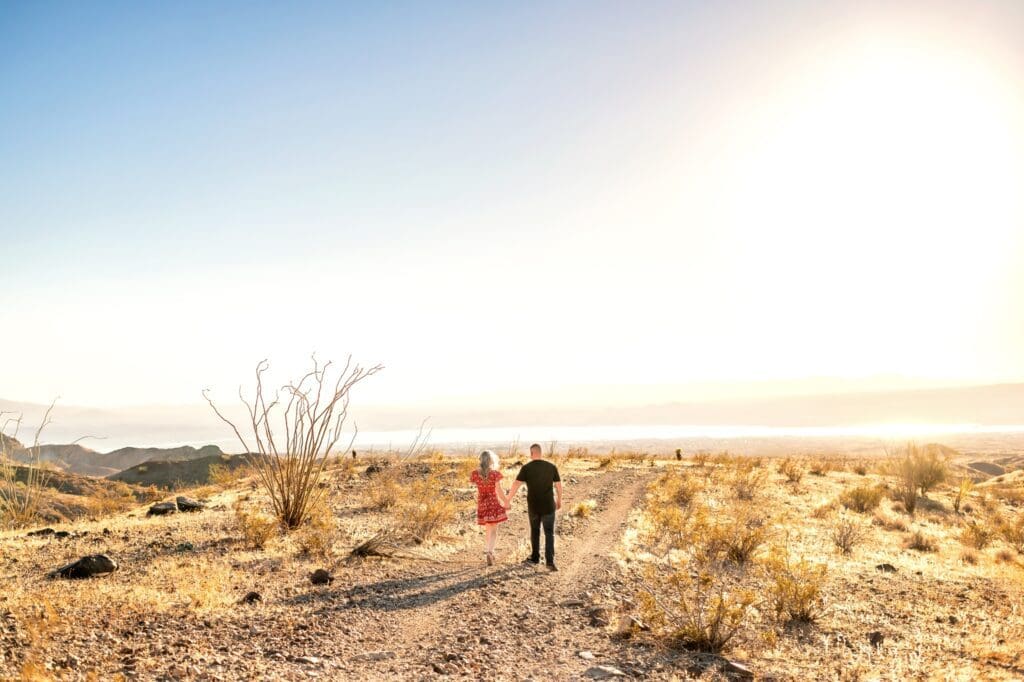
[548, 520]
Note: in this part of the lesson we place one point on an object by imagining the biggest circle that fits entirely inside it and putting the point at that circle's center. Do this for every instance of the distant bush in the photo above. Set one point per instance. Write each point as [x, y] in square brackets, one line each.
[675, 487]
[919, 542]
[861, 499]
[917, 470]
[847, 533]
[889, 522]
[969, 556]
[792, 470]
[977, 535]
[747, 480]
[796, 588]
[1013, 533]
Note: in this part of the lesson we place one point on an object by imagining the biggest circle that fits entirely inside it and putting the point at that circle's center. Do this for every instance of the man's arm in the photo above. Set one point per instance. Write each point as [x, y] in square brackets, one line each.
[558, 497]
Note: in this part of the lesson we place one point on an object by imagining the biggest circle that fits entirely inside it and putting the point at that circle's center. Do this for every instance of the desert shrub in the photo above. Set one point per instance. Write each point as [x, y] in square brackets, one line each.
[889, 522]
[820, 466]
[860, 468]
[669, 526]
[969, 556]
[583, 509]
[917, 470]
[294, 435]
[961, 493]
[847, 533]
[734, 539]
[383, 490]
[747, 480]
[919, 542]
[796, 588]
[825, 510]
[862, 498]
[701, 611]
[605, 462]
[701, 457]
[792, 470]
[316, 537]
[1013, 533]
[1005, 556]
[977, 535]
[255, 527]
[424, 509]
[674, 487]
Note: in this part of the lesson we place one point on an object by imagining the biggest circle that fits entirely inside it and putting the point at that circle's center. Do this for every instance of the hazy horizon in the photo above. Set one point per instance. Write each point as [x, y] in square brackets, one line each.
[537, 205]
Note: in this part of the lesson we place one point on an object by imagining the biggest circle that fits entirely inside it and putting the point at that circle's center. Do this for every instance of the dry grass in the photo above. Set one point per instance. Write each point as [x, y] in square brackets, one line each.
[919, 542]
[256, 528]
[583, 509]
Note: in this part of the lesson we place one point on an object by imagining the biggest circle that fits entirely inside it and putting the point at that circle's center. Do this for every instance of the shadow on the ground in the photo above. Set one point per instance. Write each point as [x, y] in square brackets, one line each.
[409, 593]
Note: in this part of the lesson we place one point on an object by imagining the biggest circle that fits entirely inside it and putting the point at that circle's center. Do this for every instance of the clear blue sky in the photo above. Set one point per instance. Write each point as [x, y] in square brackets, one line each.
[497, 198]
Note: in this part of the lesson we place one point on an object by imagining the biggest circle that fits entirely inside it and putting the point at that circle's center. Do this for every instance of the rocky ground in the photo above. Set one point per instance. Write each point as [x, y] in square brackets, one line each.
[177, 608]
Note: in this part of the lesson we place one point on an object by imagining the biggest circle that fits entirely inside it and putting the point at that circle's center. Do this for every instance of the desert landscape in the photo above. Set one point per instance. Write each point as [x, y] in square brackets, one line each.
[317, 317]
[710, 566]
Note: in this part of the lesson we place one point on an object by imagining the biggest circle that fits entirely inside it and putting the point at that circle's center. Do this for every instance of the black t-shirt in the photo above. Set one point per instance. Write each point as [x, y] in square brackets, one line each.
[539, 477]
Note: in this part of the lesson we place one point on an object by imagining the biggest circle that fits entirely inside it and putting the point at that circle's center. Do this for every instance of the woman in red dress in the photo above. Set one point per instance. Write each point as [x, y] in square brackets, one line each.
[490, 500]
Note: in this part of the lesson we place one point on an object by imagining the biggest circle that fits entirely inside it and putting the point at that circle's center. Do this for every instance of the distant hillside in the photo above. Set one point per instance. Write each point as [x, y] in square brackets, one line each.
[175, 474]
[79, 459]
[9, 444]
[67, 497]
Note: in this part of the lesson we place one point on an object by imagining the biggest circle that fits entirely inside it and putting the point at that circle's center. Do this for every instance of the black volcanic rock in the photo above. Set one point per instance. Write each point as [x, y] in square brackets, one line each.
[86, 567]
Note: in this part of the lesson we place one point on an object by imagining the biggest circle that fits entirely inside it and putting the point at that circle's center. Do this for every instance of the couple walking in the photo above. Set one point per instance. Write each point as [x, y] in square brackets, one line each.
[542, 482]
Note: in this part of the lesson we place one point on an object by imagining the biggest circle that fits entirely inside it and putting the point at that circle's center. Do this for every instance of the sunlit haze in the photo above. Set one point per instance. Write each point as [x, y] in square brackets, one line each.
[527, 205]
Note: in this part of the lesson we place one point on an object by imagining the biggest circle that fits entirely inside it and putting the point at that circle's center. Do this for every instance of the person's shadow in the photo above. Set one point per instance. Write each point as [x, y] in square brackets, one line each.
[408, 593]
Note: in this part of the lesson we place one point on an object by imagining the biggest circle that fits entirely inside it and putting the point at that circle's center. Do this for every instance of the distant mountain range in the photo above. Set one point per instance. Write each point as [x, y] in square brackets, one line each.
[806, 406]
[78, 459]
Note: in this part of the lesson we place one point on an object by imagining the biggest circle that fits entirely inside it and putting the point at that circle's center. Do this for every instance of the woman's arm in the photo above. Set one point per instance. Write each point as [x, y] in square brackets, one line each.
[499, 490]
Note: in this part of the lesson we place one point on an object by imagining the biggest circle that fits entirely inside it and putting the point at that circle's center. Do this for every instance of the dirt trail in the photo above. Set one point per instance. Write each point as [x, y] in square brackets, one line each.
[511, 620]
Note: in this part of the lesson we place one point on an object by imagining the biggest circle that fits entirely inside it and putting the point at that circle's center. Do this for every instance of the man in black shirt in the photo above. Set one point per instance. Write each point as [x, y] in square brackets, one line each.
[540, 477]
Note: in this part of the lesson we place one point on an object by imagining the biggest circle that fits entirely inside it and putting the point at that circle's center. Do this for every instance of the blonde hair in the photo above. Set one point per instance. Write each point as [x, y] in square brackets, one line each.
[488, 463]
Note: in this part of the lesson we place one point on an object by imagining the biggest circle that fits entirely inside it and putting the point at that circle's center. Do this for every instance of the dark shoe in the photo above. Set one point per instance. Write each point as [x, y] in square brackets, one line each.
[552, 568]
[528, 560]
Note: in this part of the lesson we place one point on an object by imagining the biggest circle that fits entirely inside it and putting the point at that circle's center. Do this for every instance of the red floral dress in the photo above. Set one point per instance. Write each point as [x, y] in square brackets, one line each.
[488, 508]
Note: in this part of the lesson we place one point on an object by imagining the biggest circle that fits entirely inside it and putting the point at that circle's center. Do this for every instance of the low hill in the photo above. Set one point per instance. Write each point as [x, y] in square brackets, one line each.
[178, 473]
[78, 459]
[9, 444]
[67, 497]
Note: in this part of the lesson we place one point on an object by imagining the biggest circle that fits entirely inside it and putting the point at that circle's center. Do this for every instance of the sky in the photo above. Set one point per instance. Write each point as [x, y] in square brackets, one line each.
[509, 203]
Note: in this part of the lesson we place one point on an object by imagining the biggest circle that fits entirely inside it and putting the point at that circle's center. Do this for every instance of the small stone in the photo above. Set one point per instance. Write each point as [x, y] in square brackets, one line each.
[885, 568]
[321, 577]
[307, 660]
[41, 531]
[586, 655]
[372, 656]
[62, 534]
[603, 672]
[953, 620]
[185, 547]
[876, 638]
[251, 598]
